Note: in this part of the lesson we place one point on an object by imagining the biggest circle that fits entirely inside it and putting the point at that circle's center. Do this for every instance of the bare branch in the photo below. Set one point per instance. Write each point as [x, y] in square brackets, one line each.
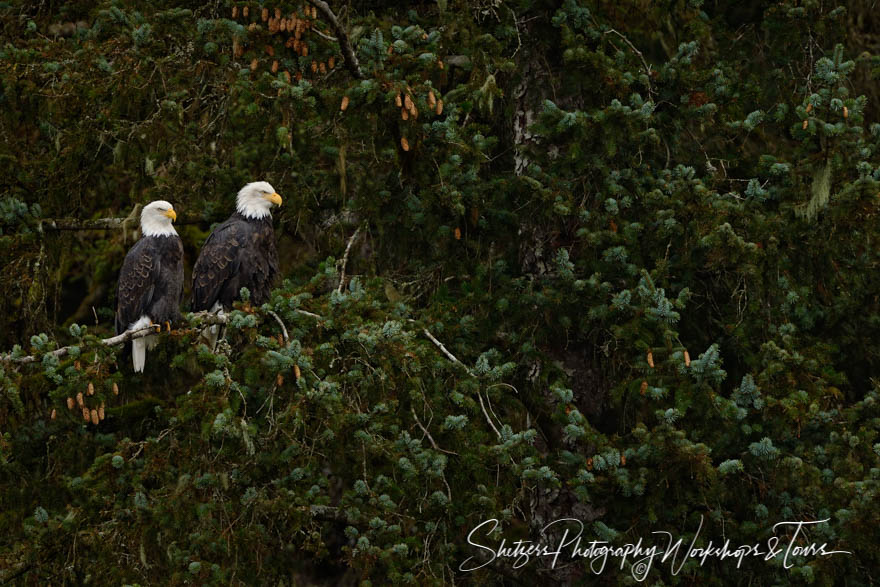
[351, 60]
[310, 314]
[202, 318]
[77, 224]
[428, 434]
[208, 317]
[63, 351]
[446, 352]
[641, 56]
[454, 359]
[60, 224]
[205, 317]
[485, 413]
[280, 323]
[325, 36]
[345, 259]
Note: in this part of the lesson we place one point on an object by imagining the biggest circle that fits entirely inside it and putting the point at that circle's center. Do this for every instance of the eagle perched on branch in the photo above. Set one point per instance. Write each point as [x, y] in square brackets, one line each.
[239, 253]
[150, 287]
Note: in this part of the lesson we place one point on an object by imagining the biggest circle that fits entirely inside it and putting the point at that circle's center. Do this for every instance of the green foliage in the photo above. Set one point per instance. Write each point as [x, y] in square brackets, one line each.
[617, 262]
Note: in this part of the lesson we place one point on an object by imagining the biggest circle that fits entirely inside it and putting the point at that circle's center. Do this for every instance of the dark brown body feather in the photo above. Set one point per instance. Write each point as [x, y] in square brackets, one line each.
[239, 253]
[150, 282]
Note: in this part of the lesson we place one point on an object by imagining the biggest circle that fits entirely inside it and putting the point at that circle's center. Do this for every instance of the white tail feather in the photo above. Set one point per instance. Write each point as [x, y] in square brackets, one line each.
[139, 346]
[138, 354]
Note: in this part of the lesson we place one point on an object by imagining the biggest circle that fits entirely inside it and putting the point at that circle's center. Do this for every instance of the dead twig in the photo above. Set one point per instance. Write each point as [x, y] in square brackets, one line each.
[281, 324]
[325, 36]
[310, 314]
[348, 54]
[345, 259]
[485, 413]
[428, 434]
[641, 56]
[454, 359]
[446, 352]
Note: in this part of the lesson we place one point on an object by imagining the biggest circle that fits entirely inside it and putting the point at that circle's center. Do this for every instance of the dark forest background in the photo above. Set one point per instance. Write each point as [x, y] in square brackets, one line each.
[614, 261]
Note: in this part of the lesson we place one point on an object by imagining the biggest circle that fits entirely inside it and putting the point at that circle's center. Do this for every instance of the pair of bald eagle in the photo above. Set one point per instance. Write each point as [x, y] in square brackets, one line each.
[239, 253]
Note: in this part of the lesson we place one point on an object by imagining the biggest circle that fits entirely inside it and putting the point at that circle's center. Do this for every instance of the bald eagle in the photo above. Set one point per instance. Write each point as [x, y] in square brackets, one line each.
[150, 286]
[239, 253]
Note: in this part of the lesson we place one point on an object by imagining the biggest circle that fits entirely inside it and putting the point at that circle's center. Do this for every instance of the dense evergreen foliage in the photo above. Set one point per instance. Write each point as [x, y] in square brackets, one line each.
[611, 261]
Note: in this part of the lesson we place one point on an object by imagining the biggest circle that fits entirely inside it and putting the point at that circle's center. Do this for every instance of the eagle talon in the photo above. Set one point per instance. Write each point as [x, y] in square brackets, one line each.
[168, 326]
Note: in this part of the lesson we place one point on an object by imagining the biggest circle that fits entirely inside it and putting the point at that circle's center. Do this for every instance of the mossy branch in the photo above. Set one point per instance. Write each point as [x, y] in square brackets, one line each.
[63, 351]
[205, 318]
[60, 224]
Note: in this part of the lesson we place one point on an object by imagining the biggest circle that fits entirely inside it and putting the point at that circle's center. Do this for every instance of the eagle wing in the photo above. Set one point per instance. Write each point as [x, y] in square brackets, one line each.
[218, 262]
[137, 283]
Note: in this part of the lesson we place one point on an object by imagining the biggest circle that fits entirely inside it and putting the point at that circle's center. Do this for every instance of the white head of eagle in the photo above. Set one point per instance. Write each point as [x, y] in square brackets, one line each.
[150, 286]
[156, 219]
[255, 200]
